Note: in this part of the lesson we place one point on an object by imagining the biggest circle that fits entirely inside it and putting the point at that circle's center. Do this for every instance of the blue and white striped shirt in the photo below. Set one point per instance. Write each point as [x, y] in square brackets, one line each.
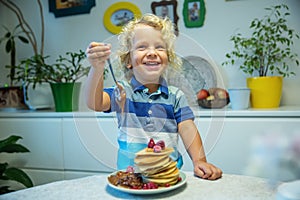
[146, 116]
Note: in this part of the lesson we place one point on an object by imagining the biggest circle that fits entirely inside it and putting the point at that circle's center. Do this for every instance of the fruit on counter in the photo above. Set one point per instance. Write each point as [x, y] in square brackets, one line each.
[221, 93]
[202, 94]
[210, 98]
[212, 90]
[212, 94]
[216, 98]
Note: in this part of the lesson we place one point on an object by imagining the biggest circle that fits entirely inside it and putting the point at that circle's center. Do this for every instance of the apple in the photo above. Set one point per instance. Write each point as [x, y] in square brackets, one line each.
[221, 94]
[202, 94]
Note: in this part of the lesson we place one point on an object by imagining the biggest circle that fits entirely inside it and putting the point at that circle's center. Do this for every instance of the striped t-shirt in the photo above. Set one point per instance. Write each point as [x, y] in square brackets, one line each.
[146, 116]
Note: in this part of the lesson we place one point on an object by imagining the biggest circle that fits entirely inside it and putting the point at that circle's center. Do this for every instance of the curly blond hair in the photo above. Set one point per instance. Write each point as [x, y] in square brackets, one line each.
[125, 38]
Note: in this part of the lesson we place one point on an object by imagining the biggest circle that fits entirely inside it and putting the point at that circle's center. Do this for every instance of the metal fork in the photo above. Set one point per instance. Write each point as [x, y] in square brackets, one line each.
[119, 91]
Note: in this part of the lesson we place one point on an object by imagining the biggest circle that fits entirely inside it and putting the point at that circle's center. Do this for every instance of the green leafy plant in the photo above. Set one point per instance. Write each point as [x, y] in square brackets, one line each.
[30, 35]
[25, 25]
[66, 69]
[269, 49]
[9, 145]
[10, 38]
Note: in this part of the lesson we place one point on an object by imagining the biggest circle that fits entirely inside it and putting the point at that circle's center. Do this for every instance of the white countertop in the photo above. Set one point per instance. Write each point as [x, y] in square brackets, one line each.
[229, 187]
[283, 111]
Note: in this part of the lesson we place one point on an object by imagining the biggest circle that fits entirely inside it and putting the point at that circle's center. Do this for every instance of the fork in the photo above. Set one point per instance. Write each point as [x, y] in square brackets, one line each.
[119, 91]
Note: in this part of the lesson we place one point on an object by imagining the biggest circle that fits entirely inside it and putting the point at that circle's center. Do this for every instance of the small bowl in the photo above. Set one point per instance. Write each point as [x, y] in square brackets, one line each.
[216, 103]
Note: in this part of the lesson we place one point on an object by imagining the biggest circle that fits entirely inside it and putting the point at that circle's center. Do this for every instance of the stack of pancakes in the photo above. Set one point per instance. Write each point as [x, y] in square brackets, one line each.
[157, 167]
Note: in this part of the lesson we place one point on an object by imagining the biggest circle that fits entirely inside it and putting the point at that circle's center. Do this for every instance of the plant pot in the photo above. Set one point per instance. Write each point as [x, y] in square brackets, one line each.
[66, 96]
[239, 98]
[12, 98]
[38, 98]
[265, 91]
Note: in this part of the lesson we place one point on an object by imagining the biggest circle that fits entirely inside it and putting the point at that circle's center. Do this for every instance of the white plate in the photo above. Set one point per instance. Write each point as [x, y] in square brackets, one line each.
[150, 191]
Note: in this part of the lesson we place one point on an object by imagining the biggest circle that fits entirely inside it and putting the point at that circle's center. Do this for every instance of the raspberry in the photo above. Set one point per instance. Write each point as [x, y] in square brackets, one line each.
[161, 143]
[152, 185]
[167, 185]
[135, 187]
[151, 143]
[145, 186]
[130, 169]
[157, 148]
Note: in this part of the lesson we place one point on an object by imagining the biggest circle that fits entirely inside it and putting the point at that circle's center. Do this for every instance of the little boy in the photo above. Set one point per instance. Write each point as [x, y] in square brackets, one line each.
[151, 108]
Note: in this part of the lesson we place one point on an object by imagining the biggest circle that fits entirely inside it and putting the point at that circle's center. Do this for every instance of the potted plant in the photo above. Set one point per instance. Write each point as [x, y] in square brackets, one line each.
[11, 95]
[62, 76]
[29, 35]
[266, 55]
[8, 173]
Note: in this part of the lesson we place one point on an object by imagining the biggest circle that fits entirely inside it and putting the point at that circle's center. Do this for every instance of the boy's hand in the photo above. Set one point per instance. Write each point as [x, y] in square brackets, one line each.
[206, 170]
[98, 53]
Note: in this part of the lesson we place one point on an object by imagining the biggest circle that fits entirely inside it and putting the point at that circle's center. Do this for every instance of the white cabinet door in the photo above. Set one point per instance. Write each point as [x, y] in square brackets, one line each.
[233, 146]
[43, 137]
[90, 144]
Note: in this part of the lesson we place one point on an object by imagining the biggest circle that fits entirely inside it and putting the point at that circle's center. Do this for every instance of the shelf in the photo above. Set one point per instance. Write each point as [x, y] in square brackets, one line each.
[283, 111]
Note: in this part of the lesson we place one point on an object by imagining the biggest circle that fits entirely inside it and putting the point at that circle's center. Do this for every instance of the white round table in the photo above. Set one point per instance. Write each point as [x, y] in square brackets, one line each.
[95, 188]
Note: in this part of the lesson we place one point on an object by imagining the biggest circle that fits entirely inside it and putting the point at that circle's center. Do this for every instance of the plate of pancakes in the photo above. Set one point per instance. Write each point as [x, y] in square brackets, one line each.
[154, 168]
[160, 189]
[157, 167]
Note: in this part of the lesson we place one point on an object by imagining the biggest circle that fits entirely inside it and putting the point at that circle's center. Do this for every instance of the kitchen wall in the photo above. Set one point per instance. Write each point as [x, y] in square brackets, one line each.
[223, 18]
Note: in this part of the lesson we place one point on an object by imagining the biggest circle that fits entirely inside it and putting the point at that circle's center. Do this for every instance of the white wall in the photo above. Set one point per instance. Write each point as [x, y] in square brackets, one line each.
[223, 18]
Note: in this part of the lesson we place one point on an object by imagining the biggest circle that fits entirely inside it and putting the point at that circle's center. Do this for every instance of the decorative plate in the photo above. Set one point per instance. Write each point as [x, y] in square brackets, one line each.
[196, 73]
[205, 69]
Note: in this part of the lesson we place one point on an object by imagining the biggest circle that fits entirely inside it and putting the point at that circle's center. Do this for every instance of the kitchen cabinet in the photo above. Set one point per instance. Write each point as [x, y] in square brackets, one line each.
[43, 137]
[71, 145]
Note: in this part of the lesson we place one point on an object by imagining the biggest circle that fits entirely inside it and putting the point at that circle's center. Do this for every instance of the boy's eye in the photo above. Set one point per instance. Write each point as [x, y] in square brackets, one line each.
[141, 47]
[161, 48]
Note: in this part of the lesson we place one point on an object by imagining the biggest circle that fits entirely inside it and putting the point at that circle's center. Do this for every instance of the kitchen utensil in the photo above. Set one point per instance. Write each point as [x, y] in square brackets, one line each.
[119, 91]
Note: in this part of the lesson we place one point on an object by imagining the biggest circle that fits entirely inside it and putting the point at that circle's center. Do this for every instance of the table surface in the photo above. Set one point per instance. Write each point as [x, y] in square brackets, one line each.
[95, 187]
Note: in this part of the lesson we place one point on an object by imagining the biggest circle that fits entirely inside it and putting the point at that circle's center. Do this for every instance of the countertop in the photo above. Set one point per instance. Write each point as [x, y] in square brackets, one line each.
[95, 187]
[283, 111]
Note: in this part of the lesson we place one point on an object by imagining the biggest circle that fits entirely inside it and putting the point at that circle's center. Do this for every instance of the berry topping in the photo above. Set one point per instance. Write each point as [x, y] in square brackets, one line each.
[151, 143]
[130, 169]
[145, 187]
[161, 143]
[157, 148]
[150, 185]
[135, 187]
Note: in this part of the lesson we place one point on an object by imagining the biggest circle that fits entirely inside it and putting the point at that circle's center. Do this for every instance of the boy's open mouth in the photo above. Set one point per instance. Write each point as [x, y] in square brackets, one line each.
[151, 63]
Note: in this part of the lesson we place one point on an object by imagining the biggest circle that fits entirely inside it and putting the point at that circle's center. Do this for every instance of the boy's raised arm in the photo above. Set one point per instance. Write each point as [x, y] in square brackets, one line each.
[96, 99]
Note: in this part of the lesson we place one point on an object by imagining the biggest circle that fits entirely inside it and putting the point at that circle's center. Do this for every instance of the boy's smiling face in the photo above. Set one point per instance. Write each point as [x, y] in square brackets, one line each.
[148, 57]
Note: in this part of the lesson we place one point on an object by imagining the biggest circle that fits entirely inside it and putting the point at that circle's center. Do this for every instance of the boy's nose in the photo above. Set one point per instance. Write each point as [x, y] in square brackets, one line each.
[151, 52]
